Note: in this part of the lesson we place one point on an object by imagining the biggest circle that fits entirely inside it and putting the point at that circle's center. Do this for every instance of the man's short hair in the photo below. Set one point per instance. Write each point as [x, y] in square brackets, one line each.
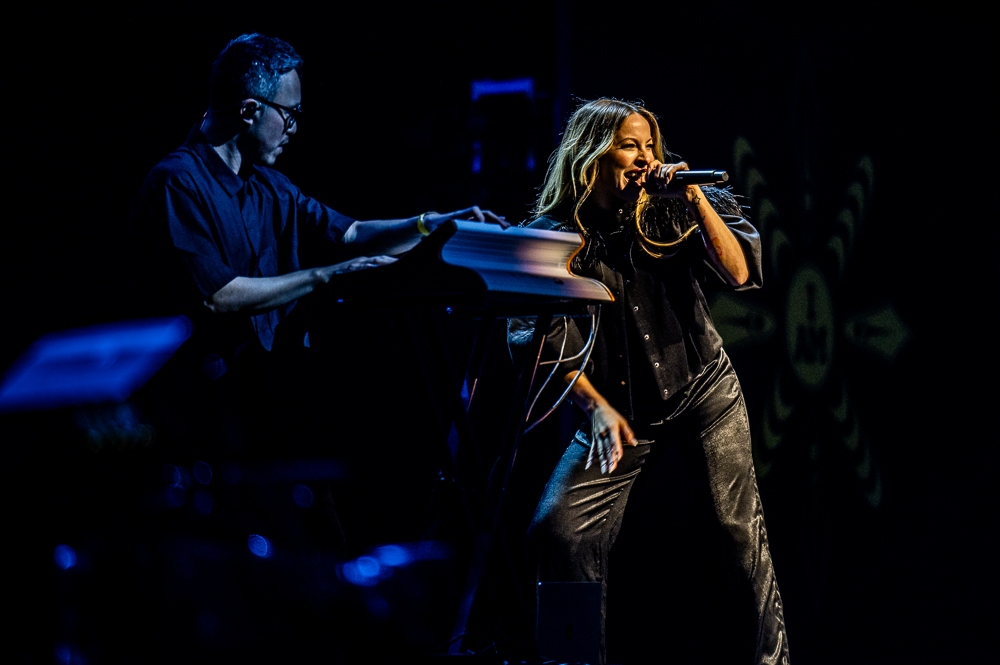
[250, 66]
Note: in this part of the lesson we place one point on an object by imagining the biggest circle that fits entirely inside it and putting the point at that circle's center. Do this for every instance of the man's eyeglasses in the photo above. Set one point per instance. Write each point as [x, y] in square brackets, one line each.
[290, 114]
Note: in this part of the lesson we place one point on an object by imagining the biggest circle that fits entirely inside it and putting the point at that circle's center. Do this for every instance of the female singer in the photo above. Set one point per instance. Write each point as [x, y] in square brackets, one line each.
[657, 374]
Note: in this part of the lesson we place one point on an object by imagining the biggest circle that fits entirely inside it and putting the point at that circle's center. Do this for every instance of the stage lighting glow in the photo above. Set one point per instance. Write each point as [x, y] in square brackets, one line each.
[371, 569]
[393, 555]
[302, 496]
[485, 87]
[172, 474]
[477, 156]
[260, 546]
[65, 556]
[368, 566]
[175, 496]
[364, 571]
[66, 655]
[349, 571]
[202, 472]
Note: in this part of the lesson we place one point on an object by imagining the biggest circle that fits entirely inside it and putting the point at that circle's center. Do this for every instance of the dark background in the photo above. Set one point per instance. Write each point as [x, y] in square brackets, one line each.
[878, 522]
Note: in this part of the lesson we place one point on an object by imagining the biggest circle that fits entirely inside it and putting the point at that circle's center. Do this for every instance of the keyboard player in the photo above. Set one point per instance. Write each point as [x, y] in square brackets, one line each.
[222, 237]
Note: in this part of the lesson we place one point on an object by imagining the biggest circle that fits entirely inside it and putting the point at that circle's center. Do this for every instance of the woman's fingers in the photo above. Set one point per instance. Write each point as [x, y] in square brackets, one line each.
[593, 457]
[608, 433]
[659, 177]
[600, 449]
[615, 455]
[609, 449]
[629, 437]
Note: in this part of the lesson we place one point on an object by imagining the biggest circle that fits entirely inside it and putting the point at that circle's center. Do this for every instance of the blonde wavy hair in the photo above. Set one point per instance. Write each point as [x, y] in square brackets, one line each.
[573, 166]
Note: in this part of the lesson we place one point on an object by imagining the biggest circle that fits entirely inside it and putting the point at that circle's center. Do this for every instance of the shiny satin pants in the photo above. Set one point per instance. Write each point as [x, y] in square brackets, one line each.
[580, 512]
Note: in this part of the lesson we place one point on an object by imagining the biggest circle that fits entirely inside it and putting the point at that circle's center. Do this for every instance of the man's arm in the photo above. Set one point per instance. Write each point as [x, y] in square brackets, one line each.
[259, 294]
[376, 238]
[395, 236]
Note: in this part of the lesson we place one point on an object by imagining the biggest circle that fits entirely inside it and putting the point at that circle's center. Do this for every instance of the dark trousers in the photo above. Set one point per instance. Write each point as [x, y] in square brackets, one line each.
[580, 512]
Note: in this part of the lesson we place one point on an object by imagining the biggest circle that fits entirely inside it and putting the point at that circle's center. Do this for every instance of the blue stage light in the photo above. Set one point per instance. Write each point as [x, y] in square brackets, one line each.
[174, 496]
[365, 571]
[202, 472]
[371, 569]
[65, 556]
[358, 575]
[393, 555]
[172, 475]
[368, 567]
[260, 546]
[477, 157]
[67, 655]
[484, 88]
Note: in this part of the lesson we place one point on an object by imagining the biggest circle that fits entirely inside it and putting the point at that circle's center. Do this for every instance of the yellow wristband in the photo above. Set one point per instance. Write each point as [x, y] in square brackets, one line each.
[421, 226]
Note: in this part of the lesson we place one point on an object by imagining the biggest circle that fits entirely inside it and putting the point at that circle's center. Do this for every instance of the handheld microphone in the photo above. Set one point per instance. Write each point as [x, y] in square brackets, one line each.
[699, 177]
